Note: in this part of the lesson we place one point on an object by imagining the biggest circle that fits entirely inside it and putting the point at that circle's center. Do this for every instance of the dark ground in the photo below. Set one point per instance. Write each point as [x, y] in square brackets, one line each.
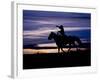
[53, 60]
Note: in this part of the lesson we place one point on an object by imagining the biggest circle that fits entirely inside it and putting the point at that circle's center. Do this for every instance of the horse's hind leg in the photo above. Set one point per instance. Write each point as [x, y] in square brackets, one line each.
[77, 47]
[63, 50]
[69, 49]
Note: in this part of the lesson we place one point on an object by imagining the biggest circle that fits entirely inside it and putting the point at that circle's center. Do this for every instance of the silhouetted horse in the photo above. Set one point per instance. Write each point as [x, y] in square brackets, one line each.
[61, 42]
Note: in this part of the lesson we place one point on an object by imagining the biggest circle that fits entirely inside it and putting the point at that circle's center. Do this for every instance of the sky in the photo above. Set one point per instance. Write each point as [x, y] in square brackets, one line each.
[37, 25]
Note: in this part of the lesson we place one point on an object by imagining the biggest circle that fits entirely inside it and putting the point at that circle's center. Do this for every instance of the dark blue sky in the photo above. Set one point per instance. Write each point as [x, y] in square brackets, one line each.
[38, 24]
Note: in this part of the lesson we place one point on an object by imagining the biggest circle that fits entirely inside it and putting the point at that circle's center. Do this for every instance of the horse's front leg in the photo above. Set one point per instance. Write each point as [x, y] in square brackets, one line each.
[63, 50]
[58, 50]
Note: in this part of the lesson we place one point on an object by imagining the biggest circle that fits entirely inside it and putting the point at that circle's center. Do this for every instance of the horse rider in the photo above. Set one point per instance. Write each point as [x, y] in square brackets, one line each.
[61, 34]
[61, 31]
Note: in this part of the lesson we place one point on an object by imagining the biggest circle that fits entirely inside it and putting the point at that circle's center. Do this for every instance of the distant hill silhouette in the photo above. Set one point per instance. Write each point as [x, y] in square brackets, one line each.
[30, 46]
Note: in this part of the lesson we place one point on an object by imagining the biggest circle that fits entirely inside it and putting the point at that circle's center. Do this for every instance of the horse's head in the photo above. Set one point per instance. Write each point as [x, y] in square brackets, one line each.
[51, 35]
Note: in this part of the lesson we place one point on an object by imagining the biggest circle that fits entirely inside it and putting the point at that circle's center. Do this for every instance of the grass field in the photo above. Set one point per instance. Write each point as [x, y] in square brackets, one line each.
[51, 60]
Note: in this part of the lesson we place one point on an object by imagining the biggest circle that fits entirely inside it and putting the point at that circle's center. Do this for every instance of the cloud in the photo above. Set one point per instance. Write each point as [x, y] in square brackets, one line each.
[45, 31]
[76, 28]
[37, 25]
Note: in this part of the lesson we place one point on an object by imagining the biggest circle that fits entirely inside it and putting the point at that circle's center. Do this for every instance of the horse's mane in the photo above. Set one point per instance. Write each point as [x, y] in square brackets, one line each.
[53, 33]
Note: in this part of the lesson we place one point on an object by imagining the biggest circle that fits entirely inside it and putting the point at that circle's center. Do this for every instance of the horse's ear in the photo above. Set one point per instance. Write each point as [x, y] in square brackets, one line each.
[51, 32]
